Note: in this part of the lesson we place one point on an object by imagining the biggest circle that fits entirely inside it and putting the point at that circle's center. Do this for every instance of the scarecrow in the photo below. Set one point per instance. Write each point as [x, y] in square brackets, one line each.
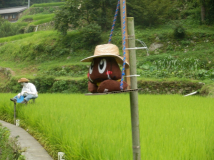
[104, 72]
[28, 91]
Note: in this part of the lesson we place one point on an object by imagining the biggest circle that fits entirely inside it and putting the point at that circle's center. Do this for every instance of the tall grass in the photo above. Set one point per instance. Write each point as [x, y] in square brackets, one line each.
[98, 127]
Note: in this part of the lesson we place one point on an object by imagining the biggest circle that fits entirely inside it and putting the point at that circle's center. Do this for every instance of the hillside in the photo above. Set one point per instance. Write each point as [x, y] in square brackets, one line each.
[43, 52]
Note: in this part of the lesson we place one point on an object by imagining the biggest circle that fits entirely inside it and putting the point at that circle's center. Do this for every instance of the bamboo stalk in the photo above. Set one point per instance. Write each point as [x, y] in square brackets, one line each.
[134, 95]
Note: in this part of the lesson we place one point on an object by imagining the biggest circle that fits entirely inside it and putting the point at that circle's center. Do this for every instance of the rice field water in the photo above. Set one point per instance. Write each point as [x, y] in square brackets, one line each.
[172, 127]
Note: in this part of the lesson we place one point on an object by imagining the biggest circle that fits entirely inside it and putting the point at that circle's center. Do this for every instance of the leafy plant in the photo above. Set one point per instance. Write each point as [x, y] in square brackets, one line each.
[179, 32]
[91, 34]
[182, 68]
[9, 146]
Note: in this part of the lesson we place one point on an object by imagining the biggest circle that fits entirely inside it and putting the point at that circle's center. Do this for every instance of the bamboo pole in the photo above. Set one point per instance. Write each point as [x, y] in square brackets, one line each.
[134, 95]
[127, 71]
[28, 3]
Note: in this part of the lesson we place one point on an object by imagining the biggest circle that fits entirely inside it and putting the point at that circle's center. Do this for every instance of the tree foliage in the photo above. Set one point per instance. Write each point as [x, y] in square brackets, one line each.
[209, 12]
[78, 14]
[146, 13]
[206, 8]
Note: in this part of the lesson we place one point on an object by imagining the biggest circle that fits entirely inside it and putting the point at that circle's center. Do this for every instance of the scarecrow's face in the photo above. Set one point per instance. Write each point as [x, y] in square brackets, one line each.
[104, 68]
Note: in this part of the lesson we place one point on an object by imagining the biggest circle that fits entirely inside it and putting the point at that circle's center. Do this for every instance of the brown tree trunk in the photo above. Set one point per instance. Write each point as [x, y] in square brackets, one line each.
[202, 12]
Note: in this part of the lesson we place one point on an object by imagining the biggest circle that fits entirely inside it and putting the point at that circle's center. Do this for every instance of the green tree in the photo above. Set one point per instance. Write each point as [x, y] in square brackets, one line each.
[207, 11]
[69, 14]
[206, 7]
[148, 13]
[79, 14]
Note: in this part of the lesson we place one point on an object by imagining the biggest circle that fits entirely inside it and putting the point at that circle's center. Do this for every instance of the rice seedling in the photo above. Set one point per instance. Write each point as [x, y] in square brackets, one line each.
[99, 127]
[45, 20]
[48, 4]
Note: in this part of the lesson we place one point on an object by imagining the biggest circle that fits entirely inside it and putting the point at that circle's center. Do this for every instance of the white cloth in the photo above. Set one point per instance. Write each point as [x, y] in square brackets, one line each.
[29, 88]
[19, 95]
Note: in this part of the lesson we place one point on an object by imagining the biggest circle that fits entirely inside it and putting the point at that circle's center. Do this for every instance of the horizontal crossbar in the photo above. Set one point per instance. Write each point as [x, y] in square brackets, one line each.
[136, 48]
[132, 76]
[113, 92]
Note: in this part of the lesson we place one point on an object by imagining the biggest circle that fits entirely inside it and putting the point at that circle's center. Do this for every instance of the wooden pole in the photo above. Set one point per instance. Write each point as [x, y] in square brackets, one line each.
[14, 113]
[127, 71]
[134, 95]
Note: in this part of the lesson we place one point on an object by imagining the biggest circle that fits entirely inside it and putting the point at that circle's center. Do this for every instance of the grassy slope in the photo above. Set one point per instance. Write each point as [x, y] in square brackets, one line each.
[14, 48]
[17, 50]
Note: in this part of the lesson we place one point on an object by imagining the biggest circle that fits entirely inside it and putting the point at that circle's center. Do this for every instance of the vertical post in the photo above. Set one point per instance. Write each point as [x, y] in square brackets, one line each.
[28, 3]
[15, 113]
[127, 71]
[134, 95]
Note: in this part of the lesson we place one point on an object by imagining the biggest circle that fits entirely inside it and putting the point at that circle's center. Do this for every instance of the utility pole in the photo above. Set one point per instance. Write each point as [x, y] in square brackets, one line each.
[28, 3]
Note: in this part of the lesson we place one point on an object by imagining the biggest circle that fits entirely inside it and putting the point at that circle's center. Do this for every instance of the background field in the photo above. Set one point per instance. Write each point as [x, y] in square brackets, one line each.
[37, 51]
[98, 127]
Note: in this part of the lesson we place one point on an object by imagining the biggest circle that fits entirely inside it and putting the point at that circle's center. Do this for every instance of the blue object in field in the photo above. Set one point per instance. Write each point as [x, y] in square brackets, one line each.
[19, 100]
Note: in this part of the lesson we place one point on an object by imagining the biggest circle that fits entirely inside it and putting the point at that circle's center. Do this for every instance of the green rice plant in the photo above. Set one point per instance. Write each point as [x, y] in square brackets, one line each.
[36, 17]
[48, 4]
[16, 37]
[28, 36]
[99, 127]
[45, 20]
[43, 16]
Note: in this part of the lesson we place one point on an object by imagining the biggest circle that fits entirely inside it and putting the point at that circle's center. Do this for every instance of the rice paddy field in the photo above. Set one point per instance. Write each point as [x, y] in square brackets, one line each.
[172, 127]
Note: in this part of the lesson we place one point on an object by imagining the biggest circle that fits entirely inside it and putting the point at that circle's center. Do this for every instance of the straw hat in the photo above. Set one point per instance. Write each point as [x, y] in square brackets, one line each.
[106, 50]
[23, 80]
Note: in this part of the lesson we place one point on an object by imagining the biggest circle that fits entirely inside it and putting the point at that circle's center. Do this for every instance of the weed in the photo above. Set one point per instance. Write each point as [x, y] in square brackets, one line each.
[9, 147]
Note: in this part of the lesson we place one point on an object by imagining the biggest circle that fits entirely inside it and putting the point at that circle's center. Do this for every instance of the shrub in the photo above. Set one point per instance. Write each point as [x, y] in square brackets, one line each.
[43, 83]
[30, 28]
[9, 146]
[22, 30]
[9, 29]
[91, 34]
[179, 32]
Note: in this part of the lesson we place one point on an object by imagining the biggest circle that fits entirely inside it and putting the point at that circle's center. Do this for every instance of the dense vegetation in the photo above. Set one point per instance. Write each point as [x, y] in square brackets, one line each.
[146, 13]
[185, 52]
[9, 146]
